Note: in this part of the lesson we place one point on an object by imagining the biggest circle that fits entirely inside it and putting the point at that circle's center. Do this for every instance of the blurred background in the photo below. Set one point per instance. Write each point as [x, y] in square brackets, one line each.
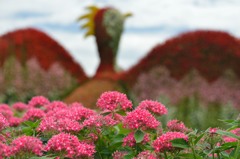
[193, 69]
[153, 20]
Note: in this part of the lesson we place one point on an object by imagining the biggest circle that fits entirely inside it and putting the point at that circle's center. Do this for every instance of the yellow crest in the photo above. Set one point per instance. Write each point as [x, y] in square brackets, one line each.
[89, 25]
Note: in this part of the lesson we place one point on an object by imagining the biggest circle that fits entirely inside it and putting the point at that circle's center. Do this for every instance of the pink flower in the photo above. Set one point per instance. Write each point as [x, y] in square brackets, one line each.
[55, 105]
[213, 131]
[6, 111]
[145, 155]
[53, 125]
[25, 145]
[119, 154]
[114, 100]
[176, 125]
[162, 143]
[79, 113]
[69, 146]
[93, 137]
[153, 106]
[109, 121]
[231, 139]
[4, 150]
[85, 149]
[3, 122]
[19, 106]
[14, 121]
[93, 121]
[130, 141]
[33, 114]
[38, 101]
[140, 118]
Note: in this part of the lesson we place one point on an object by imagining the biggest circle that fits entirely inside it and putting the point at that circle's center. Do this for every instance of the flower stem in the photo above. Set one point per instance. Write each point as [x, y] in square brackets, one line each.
[237, 149]
[165, 155]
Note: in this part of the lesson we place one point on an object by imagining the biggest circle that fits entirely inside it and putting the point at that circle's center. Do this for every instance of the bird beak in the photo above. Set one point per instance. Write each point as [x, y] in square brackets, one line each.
[126, 15]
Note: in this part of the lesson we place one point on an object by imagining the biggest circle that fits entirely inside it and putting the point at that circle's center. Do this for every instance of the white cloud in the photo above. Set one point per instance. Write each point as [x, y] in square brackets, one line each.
[173, 15]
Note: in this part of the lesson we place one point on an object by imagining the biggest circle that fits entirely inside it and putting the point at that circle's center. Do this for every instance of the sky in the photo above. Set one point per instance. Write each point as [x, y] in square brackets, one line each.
[152, 23]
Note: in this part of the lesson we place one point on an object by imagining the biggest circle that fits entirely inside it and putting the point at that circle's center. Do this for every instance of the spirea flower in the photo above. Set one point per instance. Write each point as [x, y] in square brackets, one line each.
[69, 146]
[109, 121]
[145, 155]
[20, 106]
[3, 122]
[93, 121]
[130, 141]
[14, 121]
[119, 154]
[140, 118]
[55, 105]
[26, 145]
[53, 125]
[85, 149]
[38, 101]
[231, 139]
[176, 125]
[33, 114]
[153, 106]
[162, 143]
[79, 113]
[6, 110]
[4, 150]
[112, 100]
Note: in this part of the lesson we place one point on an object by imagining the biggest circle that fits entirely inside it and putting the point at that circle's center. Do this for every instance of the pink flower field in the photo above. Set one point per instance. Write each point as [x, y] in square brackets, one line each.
[118, 129]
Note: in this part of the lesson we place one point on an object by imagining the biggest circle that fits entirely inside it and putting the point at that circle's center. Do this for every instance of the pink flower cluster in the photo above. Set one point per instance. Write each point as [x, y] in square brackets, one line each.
[70, 145]
[3, 122]
[62, 118]
[146, 155]
[231, 139]
[53, 125]
[130, 141]
[4, 150]
[6, 111]
[26, 144]
[160, 83]
[119, 154]
[20, 106]
[114, 100]
[176, 125]
[33, 114]
[153, 106]
[38, 101]
[140, 119]
[162, 143]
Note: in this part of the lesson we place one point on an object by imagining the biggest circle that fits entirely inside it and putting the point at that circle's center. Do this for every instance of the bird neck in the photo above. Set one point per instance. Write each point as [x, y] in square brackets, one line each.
[107, 62]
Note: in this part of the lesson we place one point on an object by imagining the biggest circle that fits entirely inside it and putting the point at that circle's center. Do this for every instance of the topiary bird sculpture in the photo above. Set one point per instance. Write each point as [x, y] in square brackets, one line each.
[106, 25]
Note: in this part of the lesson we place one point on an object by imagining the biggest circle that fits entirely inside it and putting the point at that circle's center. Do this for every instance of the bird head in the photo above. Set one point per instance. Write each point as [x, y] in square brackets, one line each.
[106, 24]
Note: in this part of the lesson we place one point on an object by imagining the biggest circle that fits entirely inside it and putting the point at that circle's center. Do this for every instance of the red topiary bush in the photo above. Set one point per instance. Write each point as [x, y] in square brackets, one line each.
[208, 52]
[30, 43]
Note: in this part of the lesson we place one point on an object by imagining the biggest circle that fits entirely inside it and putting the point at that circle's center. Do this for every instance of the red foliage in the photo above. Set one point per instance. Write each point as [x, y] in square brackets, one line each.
[209, 52]
[31, 43]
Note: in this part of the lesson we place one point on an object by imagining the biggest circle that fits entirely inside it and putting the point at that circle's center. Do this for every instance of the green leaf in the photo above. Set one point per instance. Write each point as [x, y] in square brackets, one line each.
[138, 135]
[226, 146]
[121, 129]
[118, 139]
[27, 131]
[130, 156]
[198, 138]
[229, 134]
[180, 143]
